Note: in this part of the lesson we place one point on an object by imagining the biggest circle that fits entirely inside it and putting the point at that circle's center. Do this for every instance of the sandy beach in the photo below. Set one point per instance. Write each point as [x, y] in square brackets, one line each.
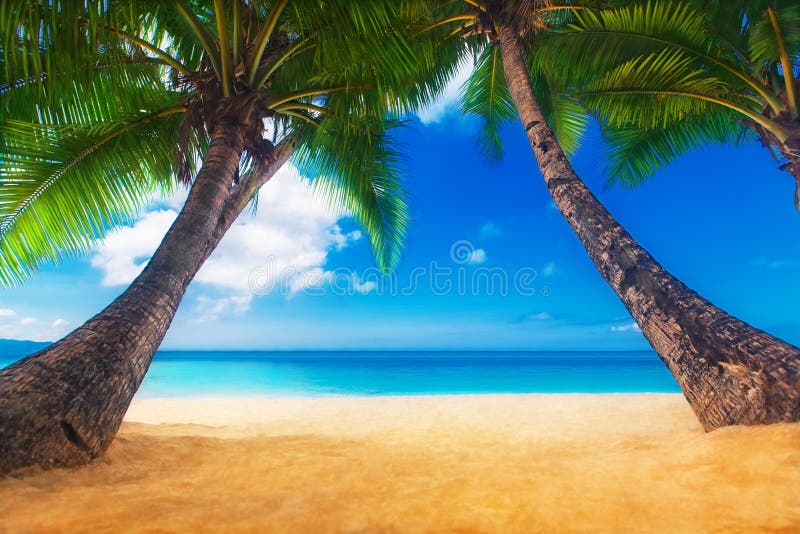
[483, 463]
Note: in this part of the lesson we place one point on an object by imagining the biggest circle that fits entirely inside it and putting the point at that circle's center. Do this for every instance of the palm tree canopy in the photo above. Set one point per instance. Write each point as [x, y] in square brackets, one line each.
[664, 77]
[107, 103]
[465, 34]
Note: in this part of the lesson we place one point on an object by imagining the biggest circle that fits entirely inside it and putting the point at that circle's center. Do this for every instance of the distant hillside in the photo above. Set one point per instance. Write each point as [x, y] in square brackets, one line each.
[15, 348]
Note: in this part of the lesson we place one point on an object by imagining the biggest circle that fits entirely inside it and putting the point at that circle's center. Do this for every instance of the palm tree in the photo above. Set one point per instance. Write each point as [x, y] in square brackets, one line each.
[109, 102]
[730, 372]
[667, 77]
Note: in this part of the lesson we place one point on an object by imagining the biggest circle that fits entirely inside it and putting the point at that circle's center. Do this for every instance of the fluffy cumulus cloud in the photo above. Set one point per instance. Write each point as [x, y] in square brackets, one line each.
[290, 235]
[125, 252]
[14, 325]
[284, 247]
[362, 287]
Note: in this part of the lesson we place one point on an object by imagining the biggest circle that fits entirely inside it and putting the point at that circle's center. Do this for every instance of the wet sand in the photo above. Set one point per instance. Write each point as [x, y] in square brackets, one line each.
[484, 463]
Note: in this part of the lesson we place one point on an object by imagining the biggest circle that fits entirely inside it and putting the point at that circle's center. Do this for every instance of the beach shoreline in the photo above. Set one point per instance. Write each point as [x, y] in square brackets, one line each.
[467, 463]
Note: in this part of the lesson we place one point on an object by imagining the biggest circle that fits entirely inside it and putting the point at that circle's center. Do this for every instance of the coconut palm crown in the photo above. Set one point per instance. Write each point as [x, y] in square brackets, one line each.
[108, 103]
[468, 29]
[665, 77]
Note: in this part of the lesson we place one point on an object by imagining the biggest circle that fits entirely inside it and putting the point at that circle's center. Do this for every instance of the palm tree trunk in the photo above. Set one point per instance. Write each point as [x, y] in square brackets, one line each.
[791, 151]
[62, 406]
[730, 372]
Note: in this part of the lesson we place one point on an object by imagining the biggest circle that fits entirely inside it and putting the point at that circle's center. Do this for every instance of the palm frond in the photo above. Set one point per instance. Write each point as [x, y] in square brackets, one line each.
[486, 95]
[77, 143]
[763, 39]
[100, 96]
[63, 186]
[565, 114]
[655, 89]
[38, 38]
[633, 154]
[354, 164]
[600, 40]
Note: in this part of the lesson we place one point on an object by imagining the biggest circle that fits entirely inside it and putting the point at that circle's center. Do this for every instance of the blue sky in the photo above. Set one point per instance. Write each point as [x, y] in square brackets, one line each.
[720, 219]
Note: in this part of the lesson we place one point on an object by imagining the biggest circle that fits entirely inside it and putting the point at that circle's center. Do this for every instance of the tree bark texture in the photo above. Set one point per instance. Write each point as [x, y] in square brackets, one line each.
[730, 372]
[63, 405]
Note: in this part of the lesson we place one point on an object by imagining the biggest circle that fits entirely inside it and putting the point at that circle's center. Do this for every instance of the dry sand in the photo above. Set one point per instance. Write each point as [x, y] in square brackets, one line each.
[499, 463]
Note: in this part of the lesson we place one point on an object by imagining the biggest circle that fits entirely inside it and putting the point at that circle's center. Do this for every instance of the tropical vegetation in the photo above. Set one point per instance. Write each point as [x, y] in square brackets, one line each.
[665, 77]
[108, 103]
[730, 372]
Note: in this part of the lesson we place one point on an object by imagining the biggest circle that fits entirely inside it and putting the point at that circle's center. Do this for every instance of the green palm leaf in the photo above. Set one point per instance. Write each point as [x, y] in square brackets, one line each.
[655, 89]
[108, 102]
[633, 154]
[602, 40]
[353, 164]
[763, 43]
[63, 186]
[665, 77]
[565, 113]
[78, 162]
[486, 95]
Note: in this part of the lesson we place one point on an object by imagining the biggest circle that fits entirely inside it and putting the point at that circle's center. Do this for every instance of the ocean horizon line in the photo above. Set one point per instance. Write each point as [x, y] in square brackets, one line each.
[329, 372]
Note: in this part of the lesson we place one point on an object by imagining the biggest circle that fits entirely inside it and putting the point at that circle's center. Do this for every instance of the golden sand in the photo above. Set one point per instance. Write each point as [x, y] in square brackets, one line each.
[499, 463]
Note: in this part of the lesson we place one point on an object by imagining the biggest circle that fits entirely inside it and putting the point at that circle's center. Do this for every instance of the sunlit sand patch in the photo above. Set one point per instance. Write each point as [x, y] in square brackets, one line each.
[483, 463]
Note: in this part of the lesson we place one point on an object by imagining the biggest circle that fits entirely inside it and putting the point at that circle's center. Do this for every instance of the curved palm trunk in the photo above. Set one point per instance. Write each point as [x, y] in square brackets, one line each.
[63, 405]
[730, 372]
[791, 151]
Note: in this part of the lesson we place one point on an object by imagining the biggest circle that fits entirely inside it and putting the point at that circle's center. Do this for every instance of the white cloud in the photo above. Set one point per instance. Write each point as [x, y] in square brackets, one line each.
[309, 281]
[176, 201]
[364, 287]
[173, 202]
[630, 327]
[448, 100]
[12, 326]
[343, 240]
[549, 269]
[490, 229]
[124, 252]
[209, 309]
[291, 234]
[477, 256]
[285, 245]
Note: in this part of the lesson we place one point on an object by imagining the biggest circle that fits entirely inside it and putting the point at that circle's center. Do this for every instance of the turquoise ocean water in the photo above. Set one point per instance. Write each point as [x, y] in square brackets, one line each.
[197, 373]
